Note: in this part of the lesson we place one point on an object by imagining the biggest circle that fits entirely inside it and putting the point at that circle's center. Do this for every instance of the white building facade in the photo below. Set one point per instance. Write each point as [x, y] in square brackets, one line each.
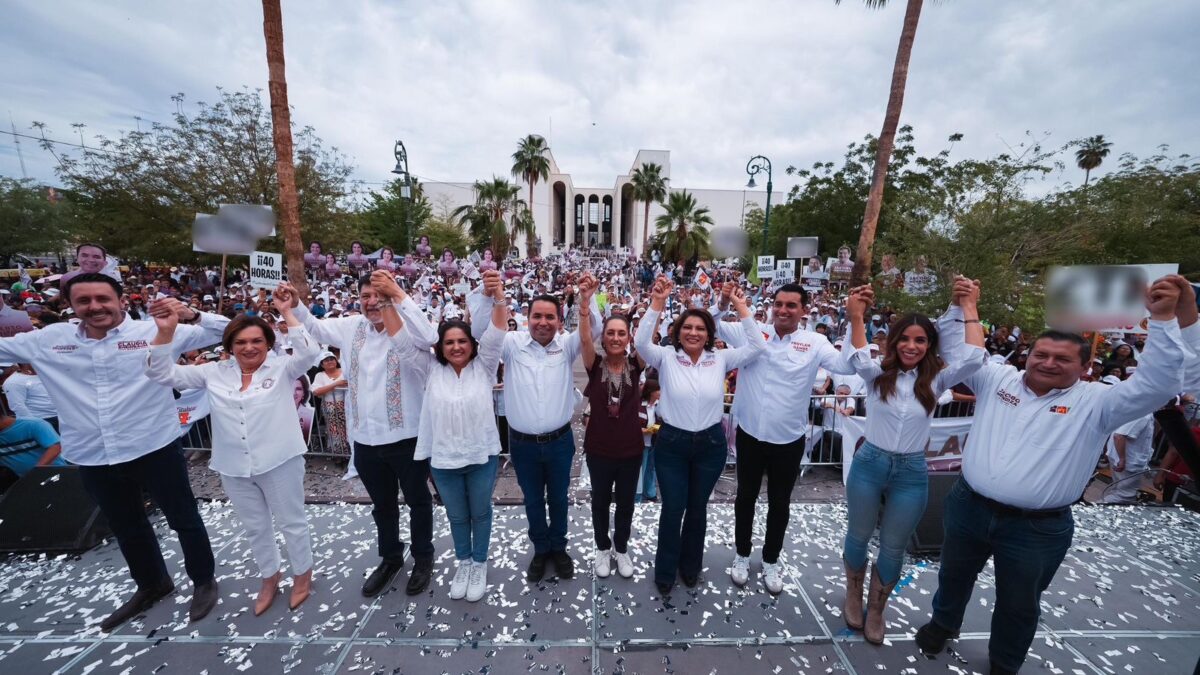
[570, 216]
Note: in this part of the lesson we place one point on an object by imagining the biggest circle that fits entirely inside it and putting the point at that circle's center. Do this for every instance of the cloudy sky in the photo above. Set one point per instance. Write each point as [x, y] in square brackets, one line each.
[713, 81]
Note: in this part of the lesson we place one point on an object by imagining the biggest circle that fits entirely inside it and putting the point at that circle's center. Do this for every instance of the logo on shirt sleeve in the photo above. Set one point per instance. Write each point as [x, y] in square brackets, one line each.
[1059, 409]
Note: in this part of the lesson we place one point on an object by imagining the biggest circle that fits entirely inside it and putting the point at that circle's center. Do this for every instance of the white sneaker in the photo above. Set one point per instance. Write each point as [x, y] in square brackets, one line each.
[740, 572]
[603, 564]
[773, 577]
[458, 585]
[477, 586]
[624, 565]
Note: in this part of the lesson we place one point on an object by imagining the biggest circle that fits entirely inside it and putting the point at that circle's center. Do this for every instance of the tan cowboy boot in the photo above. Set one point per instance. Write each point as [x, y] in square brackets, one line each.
[301, 588]
[266, 594]
[877, 599]
[853, 609]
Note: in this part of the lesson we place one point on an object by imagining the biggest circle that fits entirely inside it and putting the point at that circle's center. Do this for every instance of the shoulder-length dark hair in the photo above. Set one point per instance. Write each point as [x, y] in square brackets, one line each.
[444, 328]
[709, 325]
[240, 323]
[927, 369]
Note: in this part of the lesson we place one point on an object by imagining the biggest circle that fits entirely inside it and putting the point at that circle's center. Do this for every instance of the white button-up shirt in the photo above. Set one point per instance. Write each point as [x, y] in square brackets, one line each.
[108, 411]
[768, 404]
[1038, 452]
[386, 386]
[1139, 435]
[253, 431]
[27, 396]
[539, 382]
[901, 424]
[693, 394]
[458, 423]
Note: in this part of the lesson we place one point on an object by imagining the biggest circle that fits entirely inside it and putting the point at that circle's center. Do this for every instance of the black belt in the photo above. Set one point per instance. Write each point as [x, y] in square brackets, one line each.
[1008, 510]
[541, 438]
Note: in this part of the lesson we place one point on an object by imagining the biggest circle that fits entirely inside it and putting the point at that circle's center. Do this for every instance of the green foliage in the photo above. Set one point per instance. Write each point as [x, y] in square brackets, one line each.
[138, 194]
[497, 217]
[1091, 154]
[649, 187]
[682, 230]
[388, 219]
[31, 222]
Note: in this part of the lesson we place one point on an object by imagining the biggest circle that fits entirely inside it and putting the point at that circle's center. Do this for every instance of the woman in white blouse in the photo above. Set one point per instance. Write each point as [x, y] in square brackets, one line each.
[458, 435]
[330, 386]
[691, 449]
[902, 393]
[257, 445]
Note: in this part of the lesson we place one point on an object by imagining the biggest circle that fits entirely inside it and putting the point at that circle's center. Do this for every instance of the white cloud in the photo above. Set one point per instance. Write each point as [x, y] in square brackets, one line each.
[714, 82]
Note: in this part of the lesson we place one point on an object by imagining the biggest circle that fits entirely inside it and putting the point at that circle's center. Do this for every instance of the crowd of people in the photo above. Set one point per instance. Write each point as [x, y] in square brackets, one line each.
[431, 371]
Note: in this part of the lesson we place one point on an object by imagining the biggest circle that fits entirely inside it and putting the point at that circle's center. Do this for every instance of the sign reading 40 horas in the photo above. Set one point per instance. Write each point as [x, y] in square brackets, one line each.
[266, 269]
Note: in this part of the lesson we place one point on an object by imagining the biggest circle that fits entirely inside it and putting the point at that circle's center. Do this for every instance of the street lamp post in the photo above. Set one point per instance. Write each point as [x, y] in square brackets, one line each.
[405, 190]
[759, 163]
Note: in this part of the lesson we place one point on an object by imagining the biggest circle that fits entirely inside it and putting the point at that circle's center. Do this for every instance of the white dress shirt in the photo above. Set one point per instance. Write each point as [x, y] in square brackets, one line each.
[1039, 452]
[109, 412]
[1139, 435]
[253, 431]
[458, 423]
[901, 424]
[768, 404]
[383, 404]
[539, 382]
[693, 394]
[27, 396]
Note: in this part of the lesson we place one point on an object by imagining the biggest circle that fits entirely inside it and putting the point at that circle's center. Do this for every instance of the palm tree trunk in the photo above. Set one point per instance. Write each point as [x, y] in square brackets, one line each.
[1087, 174]
[281, 125]
[887, 139]
[646, 228]
[529, 240]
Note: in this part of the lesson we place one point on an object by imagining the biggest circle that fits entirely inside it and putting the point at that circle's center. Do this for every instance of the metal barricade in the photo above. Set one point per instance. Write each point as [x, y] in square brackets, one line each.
[199, 436]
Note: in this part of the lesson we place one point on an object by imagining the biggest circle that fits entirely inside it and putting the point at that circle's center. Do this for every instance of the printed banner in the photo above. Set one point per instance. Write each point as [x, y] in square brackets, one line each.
[947, 437]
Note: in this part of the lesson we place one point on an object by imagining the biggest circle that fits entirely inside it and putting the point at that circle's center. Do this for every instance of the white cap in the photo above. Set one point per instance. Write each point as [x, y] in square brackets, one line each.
[1110, 379]
[876, 317]
[208, 298]
[325, 355]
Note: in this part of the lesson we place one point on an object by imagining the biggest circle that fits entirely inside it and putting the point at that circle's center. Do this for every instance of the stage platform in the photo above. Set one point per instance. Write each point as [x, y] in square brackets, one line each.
[1127, 600]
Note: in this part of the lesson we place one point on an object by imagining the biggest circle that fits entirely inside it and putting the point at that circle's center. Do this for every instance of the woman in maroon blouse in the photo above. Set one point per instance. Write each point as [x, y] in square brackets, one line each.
[613, 440]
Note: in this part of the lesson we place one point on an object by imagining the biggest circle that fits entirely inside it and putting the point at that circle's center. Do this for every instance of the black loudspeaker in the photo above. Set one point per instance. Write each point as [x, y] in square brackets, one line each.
[48, 511]
[929, 534]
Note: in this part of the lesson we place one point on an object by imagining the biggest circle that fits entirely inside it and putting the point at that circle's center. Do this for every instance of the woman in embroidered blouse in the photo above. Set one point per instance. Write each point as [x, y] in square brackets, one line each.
[902, 394]
[613, 441]
[458, 435]
[691, 449]
[257, 445]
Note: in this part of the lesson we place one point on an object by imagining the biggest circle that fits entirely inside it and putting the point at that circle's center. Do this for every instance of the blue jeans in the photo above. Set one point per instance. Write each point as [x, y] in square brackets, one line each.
[544, 474]
[1027, 551]
[467, 494]
[646, 486]
[688, 465]
[904, 480]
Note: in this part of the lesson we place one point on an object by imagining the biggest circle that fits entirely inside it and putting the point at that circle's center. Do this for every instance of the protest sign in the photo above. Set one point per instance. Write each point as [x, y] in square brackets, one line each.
[266, 269]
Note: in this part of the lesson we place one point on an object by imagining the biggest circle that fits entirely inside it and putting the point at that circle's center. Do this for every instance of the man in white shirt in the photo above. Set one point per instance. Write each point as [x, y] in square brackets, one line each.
[539, 401]
[771, 420]
[27, 396]
[122, 430]
[1129, 451]
[1031, 452]
[383, 414]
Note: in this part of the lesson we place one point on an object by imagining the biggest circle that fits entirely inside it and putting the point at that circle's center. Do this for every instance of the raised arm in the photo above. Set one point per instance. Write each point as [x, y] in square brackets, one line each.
[1160, 374]
[491, 344]
[755, 345]
[732, 335]
[857, 356]
[304, 348]
[643, 338]
[160, 362]
[196, 329]
[334, 332]
[965, 360]
[587, 347]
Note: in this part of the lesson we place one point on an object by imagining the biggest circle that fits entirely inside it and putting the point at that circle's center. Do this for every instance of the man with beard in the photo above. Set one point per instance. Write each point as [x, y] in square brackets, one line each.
[383, 414]
[122, 430]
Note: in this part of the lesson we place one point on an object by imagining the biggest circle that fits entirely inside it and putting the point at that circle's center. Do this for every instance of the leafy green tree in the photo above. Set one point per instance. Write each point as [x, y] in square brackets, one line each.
[649, 187]
[138, 193]
[683, 229]
[1091, 154]
[32, 221]
[530, 164]
[388, 219]
[497, 217]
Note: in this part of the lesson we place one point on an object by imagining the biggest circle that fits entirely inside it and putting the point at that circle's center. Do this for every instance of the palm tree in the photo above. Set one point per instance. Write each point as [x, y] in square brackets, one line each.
[497, 207]
[531, 164]
[1090, 154]
[887, 137]
[281, 126]
[648, 186]
[682, 232]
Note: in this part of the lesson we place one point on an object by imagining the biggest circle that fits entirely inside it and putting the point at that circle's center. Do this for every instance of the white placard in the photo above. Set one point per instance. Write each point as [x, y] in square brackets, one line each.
[785, 270]
[266, 269]
[766, 267]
